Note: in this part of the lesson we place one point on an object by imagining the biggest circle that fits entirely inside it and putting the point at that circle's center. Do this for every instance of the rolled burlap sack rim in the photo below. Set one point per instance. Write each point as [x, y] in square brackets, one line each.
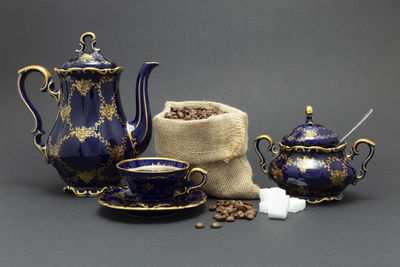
[229, 140]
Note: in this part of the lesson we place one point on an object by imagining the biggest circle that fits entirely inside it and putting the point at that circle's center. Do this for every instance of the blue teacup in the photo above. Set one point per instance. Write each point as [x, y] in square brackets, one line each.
[158, 179]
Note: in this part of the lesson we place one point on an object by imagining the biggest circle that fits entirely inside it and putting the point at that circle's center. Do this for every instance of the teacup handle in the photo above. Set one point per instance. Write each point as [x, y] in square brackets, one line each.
[203, 181]
[190, 188]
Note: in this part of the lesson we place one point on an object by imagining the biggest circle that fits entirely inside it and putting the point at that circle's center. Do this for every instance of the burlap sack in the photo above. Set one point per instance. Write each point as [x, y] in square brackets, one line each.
[217, 144]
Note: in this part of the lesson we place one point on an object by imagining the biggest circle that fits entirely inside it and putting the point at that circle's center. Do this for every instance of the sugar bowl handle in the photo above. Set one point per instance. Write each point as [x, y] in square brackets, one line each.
[271, 148]
[48, 86]
[355, 152]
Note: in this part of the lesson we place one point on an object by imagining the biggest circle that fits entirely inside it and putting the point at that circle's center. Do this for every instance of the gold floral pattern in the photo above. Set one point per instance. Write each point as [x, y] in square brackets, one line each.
[53, 149]
[276, 173]
[65, 111]
[85, 176]
[82, 85]
[108, 110]
[302, 190]
[308, 134]
[303, 163]
[117, 152]
[337, 176]
[90, 57]
[85, 57]
[83, 132]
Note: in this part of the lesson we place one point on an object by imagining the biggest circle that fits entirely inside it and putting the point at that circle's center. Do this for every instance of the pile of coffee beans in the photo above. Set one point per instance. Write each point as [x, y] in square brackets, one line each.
[229, 211]
[192, 113]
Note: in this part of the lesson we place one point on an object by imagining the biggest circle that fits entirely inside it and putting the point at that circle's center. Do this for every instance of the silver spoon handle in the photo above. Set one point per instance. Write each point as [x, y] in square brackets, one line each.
[357, 125]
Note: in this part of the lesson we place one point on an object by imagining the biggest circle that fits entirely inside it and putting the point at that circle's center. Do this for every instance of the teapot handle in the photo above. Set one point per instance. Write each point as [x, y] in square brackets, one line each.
[271, 148]
[48, 86]
[355, 152]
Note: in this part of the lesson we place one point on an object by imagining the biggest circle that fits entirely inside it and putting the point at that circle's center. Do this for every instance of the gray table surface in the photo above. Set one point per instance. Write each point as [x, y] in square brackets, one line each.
[267, 58]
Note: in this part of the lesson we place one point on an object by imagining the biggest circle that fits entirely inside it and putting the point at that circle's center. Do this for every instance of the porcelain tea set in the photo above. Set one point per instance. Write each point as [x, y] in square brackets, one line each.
[95, 148]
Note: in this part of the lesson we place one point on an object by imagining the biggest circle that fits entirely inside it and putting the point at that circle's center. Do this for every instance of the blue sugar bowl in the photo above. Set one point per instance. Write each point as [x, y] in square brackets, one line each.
[312, 164]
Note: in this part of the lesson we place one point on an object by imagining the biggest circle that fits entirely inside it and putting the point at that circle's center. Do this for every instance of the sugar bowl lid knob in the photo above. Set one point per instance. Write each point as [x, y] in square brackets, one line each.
[309, 115]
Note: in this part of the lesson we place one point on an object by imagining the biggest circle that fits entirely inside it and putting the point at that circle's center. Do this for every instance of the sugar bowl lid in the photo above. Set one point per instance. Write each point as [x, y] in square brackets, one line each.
[311, 134]
[91, 59]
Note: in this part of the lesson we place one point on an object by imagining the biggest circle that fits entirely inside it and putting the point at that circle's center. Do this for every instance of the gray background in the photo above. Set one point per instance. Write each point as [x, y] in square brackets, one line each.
[267, 58]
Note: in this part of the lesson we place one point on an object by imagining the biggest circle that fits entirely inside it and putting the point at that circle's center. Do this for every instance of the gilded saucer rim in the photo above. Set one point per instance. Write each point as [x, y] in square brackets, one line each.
[153, 208]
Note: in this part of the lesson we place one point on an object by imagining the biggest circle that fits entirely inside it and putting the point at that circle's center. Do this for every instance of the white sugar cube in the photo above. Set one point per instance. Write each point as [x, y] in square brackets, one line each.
[278, 207]
[296, 204]
[280, 200]
[277, 191]
[269, 194]
[263, 194]
[264, 206]
[278, 212]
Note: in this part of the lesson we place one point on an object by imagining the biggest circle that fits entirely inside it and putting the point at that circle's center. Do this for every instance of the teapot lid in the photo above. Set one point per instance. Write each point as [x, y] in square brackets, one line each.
[311, 134]
[92, 59]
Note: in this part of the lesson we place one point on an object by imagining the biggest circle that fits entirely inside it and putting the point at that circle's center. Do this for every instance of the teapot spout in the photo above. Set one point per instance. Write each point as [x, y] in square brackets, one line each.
[140, 129]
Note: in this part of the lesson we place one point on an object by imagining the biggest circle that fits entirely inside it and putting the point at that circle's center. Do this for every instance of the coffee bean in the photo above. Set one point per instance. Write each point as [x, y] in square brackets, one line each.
[250, 216]
[248, 203]
[220, 209]
[230, 219]
[219, 202]
[250, 212]
[212, 208]
[243, 208]
[241, 214]
[199, 225]
[219, 217]
[247, 207]
[216, 225]
[228, 210]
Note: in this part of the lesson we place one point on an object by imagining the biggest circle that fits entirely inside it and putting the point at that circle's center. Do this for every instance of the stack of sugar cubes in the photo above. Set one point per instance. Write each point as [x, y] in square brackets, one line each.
[277, 204]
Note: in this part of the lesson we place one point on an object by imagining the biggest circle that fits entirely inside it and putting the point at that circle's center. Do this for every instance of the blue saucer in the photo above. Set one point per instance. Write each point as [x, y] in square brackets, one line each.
[123, 199]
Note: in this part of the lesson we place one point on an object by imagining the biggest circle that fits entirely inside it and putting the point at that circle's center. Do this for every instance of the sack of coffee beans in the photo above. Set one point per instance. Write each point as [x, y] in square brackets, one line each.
[211, 136]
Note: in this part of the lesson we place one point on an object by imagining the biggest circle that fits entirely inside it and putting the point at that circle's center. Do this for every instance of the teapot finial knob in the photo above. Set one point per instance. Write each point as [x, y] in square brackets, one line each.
[82, 42]
[309, 114]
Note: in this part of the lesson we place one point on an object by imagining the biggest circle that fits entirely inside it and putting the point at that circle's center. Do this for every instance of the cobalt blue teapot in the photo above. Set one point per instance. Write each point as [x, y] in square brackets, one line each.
[91, 133]
[312, 163]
